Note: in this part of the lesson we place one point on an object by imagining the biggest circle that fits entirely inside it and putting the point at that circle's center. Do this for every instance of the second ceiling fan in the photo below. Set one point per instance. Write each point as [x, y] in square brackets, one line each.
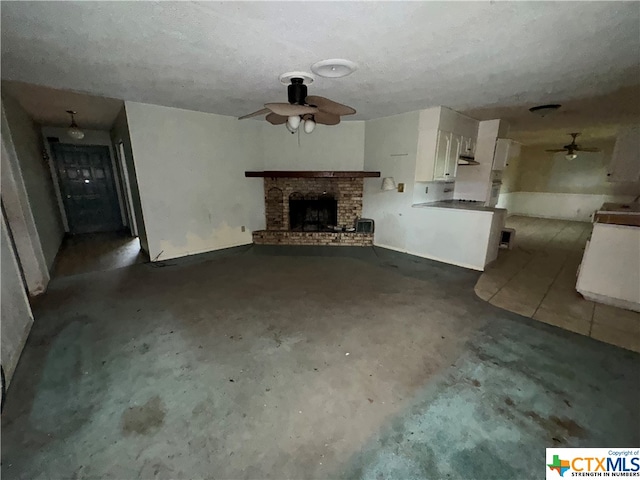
[302, 109]
[573, 148]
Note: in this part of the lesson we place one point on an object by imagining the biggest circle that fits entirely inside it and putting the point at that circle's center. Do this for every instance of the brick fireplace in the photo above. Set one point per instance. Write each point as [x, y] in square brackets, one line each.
[306, 208]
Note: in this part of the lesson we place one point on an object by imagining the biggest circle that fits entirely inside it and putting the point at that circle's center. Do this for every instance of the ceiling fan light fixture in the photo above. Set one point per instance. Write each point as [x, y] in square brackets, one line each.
[73, 131]
[571, 156]
[334, 68]
[544, 110]
[309, 126]
[290, 128]
[293, 121]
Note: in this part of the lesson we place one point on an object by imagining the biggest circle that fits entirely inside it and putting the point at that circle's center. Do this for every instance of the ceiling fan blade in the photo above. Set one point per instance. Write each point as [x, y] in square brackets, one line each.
[587, 149]
[255, 114]
[556, 150]
[288, 109]
[330, 106]
[275, 119]
[325, 118]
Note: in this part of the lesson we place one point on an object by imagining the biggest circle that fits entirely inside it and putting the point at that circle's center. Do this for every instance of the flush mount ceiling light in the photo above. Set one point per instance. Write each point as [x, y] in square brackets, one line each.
[74, 132]
[544, 110]
[334, 68]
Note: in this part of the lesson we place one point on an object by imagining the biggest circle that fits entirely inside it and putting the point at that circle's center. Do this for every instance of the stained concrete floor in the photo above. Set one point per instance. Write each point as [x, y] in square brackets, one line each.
[272, 362]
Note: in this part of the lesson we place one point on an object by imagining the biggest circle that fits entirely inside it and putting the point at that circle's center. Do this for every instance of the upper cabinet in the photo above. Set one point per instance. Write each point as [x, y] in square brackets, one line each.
[443, 135]
[625, 160]
[506, 150]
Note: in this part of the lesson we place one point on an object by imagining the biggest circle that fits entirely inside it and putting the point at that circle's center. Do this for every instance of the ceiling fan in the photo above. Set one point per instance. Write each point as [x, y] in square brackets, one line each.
[302, 109]
[572, 148]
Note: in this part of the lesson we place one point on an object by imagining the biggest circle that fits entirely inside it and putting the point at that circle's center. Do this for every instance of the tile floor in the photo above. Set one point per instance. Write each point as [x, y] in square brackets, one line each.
[537, 279]
[97, 252]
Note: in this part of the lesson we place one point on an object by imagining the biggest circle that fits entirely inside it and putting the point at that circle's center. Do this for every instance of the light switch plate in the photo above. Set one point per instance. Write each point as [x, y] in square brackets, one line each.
[401, 187]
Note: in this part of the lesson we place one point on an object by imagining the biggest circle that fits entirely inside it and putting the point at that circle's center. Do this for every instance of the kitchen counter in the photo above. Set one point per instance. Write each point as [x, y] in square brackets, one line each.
[466, 234]
[619, 214]
[478, 207]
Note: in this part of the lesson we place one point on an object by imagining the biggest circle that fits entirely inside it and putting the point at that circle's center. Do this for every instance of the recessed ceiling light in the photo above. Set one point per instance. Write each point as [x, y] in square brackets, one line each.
[334, 68]
[543, 110]
[307, 78]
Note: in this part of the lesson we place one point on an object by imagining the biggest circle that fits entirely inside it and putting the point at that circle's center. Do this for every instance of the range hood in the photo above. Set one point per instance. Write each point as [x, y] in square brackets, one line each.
[467, 160]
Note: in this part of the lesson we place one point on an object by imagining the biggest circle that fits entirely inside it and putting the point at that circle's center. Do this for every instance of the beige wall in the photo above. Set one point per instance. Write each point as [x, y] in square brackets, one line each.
[540, 171]
[36, 175]
[543, 184]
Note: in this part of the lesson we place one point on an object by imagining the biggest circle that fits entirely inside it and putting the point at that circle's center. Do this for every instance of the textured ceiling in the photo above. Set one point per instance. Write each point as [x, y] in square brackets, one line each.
[225, 58]
[48, 106]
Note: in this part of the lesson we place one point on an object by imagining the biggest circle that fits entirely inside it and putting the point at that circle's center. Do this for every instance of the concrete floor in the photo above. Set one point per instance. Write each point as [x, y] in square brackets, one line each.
[97, 252]
[537, 279]
[274, 362]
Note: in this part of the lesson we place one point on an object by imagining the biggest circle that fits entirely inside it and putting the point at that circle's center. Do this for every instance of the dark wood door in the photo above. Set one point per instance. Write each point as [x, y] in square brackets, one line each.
[88, 188]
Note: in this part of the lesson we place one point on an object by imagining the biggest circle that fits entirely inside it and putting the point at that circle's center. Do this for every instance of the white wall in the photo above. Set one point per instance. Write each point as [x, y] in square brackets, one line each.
[338, 147]
[384, 137]
[15, 310]
[564, 206]
[190, 168]
[36, 176]
[91, 137]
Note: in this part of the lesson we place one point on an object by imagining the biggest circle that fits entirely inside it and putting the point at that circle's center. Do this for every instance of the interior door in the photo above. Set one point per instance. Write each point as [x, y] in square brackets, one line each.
[88, 187]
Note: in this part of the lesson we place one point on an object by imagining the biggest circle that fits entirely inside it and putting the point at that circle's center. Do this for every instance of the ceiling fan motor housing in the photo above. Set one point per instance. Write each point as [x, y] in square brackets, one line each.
[297, 91]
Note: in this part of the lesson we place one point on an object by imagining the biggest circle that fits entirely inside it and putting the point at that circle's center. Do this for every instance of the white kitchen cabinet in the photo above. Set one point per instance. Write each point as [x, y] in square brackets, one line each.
[443, 135]
[455, 150]
[625, 160]
[506, 150]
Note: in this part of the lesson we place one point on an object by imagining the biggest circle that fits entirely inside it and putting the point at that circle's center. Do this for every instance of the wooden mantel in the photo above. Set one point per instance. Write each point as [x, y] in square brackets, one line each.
[311, 174]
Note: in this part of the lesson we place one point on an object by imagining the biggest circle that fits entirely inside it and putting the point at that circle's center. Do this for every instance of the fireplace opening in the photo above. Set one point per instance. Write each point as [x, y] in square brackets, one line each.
[313, 212]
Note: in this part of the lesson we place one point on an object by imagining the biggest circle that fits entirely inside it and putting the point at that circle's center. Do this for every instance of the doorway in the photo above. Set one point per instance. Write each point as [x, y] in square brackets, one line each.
[87, 186]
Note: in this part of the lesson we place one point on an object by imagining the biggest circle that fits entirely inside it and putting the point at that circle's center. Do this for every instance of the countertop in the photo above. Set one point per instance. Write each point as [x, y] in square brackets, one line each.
[458, 206]
[619, 214]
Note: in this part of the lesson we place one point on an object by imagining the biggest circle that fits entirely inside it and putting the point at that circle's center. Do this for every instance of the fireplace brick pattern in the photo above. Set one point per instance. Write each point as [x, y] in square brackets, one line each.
[347, 191]
[267, 237]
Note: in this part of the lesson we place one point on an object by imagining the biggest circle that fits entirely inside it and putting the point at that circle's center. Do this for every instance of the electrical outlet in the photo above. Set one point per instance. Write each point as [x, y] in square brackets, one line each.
[242, 229]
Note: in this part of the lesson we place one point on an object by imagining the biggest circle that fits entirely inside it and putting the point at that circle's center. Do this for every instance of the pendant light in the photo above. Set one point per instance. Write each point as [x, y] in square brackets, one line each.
[74, 132]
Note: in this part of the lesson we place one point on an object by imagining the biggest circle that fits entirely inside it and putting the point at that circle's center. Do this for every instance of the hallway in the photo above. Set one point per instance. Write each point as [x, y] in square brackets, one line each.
[97, 252]
[537, 279]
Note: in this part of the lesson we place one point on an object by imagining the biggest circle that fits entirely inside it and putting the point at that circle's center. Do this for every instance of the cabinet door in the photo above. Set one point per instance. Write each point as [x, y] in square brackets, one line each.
[443, 148]
[501, 154]
[454, 153]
